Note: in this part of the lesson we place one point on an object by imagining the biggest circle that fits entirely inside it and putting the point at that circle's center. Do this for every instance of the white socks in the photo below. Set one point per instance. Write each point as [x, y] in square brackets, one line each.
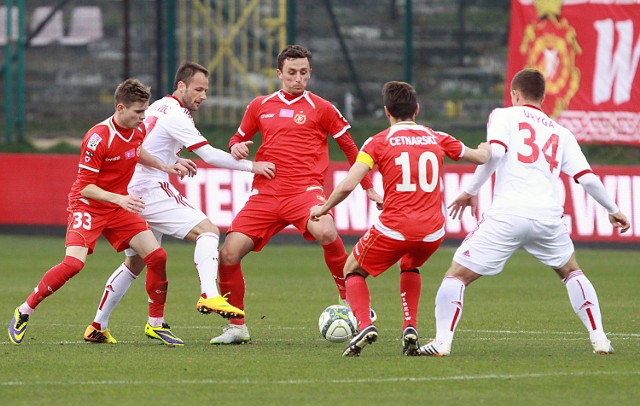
[117, 285]
[205, 257]
[584, 301]
[449, 301]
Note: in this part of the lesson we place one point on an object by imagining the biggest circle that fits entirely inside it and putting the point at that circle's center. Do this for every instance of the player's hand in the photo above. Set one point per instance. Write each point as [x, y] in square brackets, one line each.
[178, 169]
[374, 196]
[191, 166]
[316, 212]
[133, 204]
[458, 206]
[619, 220]
[240, 150]
[266, 169]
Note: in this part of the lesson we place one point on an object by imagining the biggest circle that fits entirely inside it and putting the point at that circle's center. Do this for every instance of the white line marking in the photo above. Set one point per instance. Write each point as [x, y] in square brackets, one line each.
[330, 381]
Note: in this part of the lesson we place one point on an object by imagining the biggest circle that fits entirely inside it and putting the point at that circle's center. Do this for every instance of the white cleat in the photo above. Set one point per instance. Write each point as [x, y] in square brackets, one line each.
[602, 347]
[435, 349]
[232, 334]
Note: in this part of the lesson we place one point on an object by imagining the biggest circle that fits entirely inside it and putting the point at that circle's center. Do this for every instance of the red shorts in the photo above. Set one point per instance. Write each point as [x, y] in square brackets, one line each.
[375, 252]
[264, 216]
[118, 226]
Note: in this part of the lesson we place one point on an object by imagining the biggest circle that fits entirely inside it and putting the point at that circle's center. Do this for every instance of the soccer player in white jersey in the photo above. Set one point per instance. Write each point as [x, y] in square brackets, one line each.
[529, 150]
[170, 127]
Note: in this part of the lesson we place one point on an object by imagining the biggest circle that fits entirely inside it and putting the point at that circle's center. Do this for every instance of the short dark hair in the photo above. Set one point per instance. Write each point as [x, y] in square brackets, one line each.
[187, 71]
[530, 82]
[131, 91]
[400, 99]
[293, 52]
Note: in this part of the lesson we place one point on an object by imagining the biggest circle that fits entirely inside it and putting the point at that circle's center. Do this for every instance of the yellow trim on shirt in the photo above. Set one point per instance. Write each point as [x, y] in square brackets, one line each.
[365, 159]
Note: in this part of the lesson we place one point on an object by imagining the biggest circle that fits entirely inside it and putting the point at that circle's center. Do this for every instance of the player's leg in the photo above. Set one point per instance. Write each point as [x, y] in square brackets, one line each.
[155, 258]
[416, 254]
[360, 301]
[115, 289]
[52, 280]
[554, 248]
[335, 254]
[206, 237]
[584, 301]
[236, 246]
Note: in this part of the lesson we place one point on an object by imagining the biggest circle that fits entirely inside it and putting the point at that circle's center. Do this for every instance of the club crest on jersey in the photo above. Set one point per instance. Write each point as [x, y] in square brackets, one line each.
[94, 141]
[286, 113]
[300, 118]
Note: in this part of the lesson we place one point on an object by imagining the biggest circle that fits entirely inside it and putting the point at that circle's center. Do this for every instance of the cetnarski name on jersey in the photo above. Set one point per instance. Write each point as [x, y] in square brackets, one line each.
[417, 140]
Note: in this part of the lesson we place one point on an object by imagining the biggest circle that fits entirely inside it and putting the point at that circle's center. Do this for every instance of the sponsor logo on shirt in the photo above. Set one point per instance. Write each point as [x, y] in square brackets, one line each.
[130, 154]
[94, 141]
[300, 118]
[270, 115]
[286, 113]
[113, 159]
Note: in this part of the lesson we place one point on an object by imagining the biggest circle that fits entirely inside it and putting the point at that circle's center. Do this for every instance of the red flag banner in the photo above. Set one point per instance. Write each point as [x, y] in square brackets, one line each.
[588, 51]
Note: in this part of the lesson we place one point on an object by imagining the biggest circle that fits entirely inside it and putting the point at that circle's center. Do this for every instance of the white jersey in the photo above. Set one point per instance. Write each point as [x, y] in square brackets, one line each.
[170, 127]
[537, 150]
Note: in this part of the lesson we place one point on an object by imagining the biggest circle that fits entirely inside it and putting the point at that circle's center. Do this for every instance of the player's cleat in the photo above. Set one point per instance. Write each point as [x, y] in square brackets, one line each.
[410, 344]
[163, 334]
[367, 336]
[94, 335]
[18, 326]
[218, 305]
[602, 347]
[232, 334]
[372, 313]
[435, 349]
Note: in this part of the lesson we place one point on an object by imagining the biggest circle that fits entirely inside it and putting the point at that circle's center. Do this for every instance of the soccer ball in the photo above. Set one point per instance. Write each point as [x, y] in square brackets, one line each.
[337, 324]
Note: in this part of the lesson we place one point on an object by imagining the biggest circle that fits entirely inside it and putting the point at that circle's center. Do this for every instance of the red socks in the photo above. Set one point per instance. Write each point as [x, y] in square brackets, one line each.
[156, 281]
[54, 278]
[359, 299]
[335, 257]
[231, 281]
[410, 289]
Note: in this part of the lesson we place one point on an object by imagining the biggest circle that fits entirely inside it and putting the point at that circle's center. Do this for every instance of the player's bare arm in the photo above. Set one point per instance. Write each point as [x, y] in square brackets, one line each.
[354, 177]
[478, 156]
[176, 169]
[134, 204]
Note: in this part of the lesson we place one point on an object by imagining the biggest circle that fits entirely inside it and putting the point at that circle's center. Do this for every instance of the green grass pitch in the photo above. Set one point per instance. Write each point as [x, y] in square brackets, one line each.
[518, 343]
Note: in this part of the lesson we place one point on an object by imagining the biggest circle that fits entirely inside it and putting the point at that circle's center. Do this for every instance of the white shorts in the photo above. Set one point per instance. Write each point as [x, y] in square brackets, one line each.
[498, 236]
[166, 211]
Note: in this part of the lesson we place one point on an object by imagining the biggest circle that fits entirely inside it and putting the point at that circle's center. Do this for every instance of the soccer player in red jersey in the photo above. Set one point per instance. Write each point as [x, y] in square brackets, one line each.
[99, 204]
[295, 125]
[411, 226]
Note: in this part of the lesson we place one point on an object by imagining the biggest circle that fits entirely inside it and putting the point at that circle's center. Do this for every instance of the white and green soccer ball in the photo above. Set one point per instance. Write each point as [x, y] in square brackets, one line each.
[337, 323]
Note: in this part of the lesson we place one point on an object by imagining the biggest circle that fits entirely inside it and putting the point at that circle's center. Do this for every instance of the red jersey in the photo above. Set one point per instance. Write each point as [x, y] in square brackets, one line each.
[108, 156]
[410, 158]
[295, 133]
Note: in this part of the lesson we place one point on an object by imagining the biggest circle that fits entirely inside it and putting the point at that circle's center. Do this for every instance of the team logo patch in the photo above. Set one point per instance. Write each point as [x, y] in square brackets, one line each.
[286, 113]
[551, 46]
[300, 118]
[94, 141]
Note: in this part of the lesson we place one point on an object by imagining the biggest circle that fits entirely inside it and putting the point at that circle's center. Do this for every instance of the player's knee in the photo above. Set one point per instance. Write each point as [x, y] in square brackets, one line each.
[156, 258]
[71, 266]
